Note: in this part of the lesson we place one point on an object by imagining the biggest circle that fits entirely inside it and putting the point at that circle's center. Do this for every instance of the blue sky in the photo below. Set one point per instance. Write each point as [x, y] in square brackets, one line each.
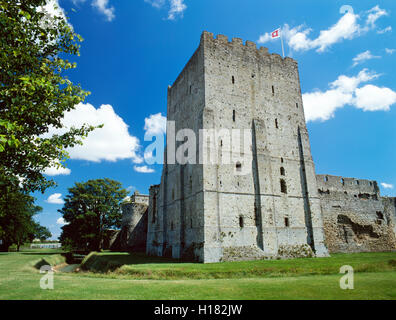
[134, 49]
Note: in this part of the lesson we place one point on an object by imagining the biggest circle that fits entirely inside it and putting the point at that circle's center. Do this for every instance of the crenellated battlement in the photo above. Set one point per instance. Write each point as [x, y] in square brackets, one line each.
[236, 44]
[220, 39]
[328, 183]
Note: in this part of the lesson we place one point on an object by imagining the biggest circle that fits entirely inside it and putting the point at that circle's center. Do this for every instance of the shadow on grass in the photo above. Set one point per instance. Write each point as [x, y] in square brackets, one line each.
[103, 263]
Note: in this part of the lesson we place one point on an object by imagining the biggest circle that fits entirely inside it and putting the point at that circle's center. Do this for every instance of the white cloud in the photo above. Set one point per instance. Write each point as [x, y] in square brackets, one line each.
[143, 169]
[362, 57]
[346, 28]
[373, 98]
[111, 143]
[57, 171]
[55, 199]
[176, 7]
[61, 221]
[53, 9]
[321, 106]
[349, 84]
[156, 3]
[155, 124]
[103, 7]
[374, 14]
[387, 185]
[385, 30]
[390, 51]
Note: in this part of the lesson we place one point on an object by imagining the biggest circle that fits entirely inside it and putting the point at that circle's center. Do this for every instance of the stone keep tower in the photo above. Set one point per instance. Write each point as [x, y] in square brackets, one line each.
[211, 213]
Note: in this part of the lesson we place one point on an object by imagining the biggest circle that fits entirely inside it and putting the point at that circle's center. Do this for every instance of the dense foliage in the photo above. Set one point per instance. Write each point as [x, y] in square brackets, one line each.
[17, 224]
[34, 92]
[90, 209]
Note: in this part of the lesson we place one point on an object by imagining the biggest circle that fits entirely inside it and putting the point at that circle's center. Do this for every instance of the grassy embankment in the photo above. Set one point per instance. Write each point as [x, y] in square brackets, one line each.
[126, 276]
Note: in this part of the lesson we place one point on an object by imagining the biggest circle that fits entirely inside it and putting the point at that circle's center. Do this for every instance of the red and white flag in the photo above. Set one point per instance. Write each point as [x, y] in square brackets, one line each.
[275, 34]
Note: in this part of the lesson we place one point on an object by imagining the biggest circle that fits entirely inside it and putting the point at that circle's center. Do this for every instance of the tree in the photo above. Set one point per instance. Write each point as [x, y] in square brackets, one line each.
[90, 209]
[17, 225]
[35, 93]
[41, 232]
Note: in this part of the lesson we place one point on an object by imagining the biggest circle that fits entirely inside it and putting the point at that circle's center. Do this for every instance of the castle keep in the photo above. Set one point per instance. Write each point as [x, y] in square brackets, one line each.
[278, 207]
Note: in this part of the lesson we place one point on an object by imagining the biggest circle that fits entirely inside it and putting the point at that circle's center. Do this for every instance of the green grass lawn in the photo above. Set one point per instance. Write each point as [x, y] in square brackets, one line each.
[138, 277]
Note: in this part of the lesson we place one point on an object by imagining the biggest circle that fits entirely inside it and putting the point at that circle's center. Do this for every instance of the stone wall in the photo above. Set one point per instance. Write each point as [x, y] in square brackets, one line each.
[178, 229]
[207, 211]
[248, 88]
[356, 218]
[268, 201]
[133, 234]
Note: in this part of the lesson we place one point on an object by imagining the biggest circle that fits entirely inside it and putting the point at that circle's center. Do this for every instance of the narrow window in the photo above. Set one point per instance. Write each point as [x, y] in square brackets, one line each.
[172, 225]
[173, 194]
[190, 89]
[233, 80]
[276, 124]
[297, 105]
[283, 186]
[287, 224]
[281, 160]
[190, 182]
[238, 166]
[241, 222]
[233, 115]
[282, 171]
[273, 90]
[191, 224]
[343, 181]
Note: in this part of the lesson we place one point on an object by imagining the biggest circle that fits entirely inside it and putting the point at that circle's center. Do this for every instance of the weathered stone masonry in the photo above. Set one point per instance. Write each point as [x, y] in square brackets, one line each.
[133, 233]
[207, 213]
[356, 218]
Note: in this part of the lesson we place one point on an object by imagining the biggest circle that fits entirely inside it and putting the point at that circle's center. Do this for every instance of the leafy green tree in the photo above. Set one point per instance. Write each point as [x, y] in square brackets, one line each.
[41, 232]
[35, 93]
[17, 225]
[90, 209]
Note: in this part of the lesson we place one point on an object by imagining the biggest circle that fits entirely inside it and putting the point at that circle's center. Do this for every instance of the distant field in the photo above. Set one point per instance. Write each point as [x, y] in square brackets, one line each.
[124, 276]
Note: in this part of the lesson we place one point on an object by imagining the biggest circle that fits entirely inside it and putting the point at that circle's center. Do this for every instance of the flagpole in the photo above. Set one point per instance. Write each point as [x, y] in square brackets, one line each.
[283, 50]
